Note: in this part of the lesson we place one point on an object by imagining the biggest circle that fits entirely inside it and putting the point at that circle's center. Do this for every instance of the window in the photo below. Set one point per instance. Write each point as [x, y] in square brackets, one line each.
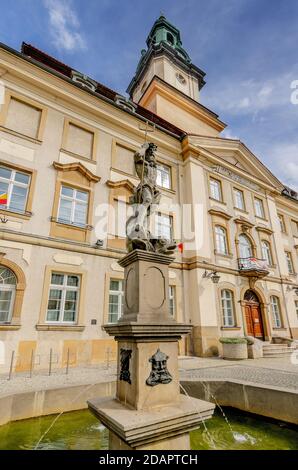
[289, 262]
[23, 118]
[275, 310]
[296, 307]
[282, 223]
[295, 228]
[164, 226]
[172, 300]
[163, 178]
[7, 294]
[115, 300]
[259, 208]
[266, 252]
[227, 303]
[215, 189]
[79, 140]
[14, 186]
[73, 206]
[239, 199]
[245, 248]
[221, 240]
[170, 38]
[63, 298]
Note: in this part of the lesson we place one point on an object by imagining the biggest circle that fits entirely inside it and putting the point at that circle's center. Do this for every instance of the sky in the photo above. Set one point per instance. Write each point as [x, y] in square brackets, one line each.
[248, 49]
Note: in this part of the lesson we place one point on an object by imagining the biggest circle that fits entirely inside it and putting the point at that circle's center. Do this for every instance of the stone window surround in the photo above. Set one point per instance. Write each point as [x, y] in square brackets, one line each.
[65, 178]
[28, 209]
[237, 314]
[133, 148]
[84, 127]
[244, 209]
[15, 322]
[221, 219]
[9, 94]
[264, 204]
[273, 293]
[218, 180]
[42, 324]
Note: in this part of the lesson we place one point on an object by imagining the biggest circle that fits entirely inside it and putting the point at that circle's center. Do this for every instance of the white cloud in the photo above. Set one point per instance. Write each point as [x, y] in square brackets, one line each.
[286, 157]
[64, 25]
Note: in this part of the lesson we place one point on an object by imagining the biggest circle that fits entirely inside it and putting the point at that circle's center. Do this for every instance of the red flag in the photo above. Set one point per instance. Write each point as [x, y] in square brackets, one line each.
[180, 247]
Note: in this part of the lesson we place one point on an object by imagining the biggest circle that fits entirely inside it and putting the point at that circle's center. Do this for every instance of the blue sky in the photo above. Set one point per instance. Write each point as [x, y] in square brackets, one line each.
[248, 48]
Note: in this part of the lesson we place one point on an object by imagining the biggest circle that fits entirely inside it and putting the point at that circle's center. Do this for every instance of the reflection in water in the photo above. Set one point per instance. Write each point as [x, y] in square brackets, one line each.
[81, 430]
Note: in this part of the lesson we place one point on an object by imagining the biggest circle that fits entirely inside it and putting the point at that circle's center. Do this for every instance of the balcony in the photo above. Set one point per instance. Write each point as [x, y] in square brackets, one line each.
[253, 267]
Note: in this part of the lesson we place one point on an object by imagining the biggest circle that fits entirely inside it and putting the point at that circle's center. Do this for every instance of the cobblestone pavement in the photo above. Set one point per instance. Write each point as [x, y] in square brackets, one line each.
[257, 371]
[273, 372]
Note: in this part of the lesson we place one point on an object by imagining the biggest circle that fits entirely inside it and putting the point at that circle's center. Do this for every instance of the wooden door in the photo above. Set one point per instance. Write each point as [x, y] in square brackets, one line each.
[254, 324]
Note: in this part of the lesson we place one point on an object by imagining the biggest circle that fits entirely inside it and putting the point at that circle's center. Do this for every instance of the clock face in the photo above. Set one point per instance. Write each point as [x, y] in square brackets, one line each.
[180, 78]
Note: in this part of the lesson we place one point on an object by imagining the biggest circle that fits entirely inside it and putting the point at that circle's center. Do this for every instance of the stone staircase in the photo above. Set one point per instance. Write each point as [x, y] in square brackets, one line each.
[277, 350]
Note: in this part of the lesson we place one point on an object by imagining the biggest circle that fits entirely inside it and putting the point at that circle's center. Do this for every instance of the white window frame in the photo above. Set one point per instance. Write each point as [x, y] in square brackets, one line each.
[215, 189]
[282, 223]
[266, 252]
[276, 311]
[159, 222]
[64, 288]
[11, 183]
[228, 309]
[221, 240]
[74, 202]
[120, 294]
[239, 197]
[172, 301]
[259, 208]
[290, 264]
[8, 288]
[243, 246]
[163, 178]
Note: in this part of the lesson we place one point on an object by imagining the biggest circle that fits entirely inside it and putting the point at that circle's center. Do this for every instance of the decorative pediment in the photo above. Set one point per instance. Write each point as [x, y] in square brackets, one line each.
[79, 167]
[220, 213]
[126, 184]
[233, 159]
[261, 228]
[244, 223]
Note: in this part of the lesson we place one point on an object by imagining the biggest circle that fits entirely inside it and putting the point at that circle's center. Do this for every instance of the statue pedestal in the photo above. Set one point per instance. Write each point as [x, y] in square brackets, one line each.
[148, 412]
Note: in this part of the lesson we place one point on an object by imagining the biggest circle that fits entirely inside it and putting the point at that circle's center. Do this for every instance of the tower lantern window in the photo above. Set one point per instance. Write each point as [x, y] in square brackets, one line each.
[170, 38]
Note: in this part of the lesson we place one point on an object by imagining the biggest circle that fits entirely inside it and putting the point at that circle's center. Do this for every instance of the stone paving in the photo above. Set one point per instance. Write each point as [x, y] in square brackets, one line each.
[273, 372]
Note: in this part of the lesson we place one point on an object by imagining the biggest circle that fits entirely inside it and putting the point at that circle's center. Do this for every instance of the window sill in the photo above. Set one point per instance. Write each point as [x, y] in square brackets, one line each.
[80, 157]
[22, 136]
[217, 200]
[232, 328]
[223, 255]
[72, 226]
[25, 215]
[264, 219]
[279, 329]
[59, 327]
[9, 327]
[243, 211]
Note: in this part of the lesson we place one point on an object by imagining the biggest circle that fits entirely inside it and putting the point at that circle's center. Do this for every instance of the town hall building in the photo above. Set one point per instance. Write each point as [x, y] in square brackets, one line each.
[67, 145]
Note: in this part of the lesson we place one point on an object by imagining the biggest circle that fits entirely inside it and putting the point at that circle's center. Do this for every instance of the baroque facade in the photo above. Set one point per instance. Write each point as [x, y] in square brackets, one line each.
[66, 149]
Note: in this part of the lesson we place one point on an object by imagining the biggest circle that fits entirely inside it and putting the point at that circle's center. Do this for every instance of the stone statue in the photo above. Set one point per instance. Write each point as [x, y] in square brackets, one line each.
[145, 197]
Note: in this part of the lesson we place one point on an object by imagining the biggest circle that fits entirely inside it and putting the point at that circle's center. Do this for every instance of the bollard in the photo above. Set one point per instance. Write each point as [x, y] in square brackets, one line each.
[31, 362]
[67, 362]
[50, 364]
[11, 365]
[108, 358]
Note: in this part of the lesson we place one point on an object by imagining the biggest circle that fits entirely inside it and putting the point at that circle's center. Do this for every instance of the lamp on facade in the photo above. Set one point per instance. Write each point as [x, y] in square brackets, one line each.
[213, 275]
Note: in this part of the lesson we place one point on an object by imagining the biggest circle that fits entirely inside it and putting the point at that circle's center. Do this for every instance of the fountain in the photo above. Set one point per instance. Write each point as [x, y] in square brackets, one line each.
[148, 411]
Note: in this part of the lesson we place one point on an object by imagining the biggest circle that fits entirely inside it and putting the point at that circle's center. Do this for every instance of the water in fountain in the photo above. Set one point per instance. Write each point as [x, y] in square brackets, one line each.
[59, 415]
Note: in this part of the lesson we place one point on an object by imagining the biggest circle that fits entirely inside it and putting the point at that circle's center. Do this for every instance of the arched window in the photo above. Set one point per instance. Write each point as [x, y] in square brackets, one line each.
[227, 304]
[245, 247]
[221, 240]
[8, 283]
[266, 252]
[275, 310]
[170, 38]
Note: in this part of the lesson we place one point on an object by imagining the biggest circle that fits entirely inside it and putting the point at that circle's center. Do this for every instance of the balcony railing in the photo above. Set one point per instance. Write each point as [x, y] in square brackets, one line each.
[253, 266]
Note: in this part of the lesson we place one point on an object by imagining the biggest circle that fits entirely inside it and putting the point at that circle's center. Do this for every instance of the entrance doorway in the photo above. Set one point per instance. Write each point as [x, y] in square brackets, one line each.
[253, 315]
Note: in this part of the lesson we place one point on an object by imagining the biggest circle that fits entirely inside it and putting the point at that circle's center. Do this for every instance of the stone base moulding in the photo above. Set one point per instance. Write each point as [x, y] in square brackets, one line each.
[159, 428]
